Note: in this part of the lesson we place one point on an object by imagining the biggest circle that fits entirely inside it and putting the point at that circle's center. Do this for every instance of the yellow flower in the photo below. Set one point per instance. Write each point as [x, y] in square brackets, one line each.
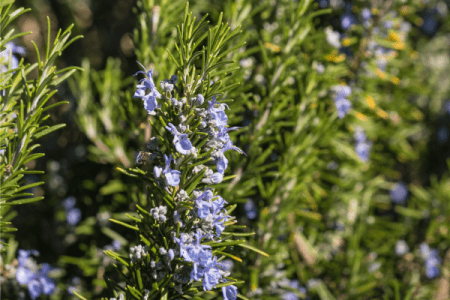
[382, 114]
[370, 102]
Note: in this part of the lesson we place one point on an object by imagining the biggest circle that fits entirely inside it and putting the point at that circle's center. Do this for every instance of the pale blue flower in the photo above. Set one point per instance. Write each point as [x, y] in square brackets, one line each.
[343, 106]
[181, 141]
[182, 244]
[34, 288]
[227, 265]
[222, 161]
[69, 203]
[172, 176]
[150, 103]
[290, 296]
[216, 178]
[24, 275]
[399, 193]
[36, 280]
[12, 48]
[250, 209]
[363, 151]
[366, 14]
[217, 111]
[157, 171]
[347, 20]
[212, 274]
[170, 255]
[432, 260]
[73, 216]
[229, 292]
[116, 244]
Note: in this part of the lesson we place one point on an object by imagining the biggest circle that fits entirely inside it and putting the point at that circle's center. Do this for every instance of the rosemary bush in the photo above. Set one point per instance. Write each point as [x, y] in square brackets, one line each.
[341, 109]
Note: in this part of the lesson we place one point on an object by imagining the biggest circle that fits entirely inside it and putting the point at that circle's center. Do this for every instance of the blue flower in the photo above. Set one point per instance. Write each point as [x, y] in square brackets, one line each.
[343, 106]
[150, 103]
[181, 141]
[116, 245]
[347, 20]
[222, 134]
[362, 147]
[197, 253]
[217, 111]
[37, 281]
[229, 292]
[342, 91]
[172, 176]
[250, 209]
[399, 193]
[204, 206]
[290, 296]
[447, 107]
[170, 255]
[363, 151]
[222, 161]
[432, 260]
[23, 256]
[10, 49]
[212, 274]
[73, 216]
[34, 288]
[366, 14]
[432, 270]
[227, 265]
[182, 244]
[388, 24]
[69, 203]
[432, 266]
[24, 275]
[70, 290]
[359, 135]
[216, 178]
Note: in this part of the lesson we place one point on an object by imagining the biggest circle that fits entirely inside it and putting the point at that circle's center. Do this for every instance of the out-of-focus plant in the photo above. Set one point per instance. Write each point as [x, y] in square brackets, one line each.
[24, 111]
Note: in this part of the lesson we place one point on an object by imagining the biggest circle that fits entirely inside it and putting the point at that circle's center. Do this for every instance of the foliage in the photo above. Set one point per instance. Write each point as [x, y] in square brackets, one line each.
[23, 112]
[345, 125]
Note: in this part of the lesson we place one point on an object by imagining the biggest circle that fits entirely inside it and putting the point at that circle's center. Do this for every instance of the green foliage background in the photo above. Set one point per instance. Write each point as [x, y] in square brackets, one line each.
[323, 214]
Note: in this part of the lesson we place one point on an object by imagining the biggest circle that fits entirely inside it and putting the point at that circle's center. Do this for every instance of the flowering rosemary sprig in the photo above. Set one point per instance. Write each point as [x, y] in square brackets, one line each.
[187, 230]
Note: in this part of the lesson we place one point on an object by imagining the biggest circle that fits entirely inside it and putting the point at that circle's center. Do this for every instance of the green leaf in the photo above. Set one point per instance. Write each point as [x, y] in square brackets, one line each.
[254, 249]
[125, 224]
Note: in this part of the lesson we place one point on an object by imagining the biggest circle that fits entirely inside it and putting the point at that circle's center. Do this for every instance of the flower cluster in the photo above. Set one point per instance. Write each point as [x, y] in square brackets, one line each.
[362, 147]
[251, 210]
[348, 18]
[192, 219]
[73, 214]
[33, 276]
[432, 260]
[399, 193]
[343, 105]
